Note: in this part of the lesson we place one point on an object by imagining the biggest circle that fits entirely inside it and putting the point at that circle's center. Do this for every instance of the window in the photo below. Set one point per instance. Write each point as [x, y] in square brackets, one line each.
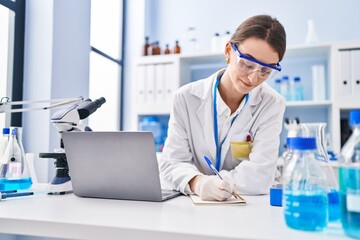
[12, 29]
[106, 40]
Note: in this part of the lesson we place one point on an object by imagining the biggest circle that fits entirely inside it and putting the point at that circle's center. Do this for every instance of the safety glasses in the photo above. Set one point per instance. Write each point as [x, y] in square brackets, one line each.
[250, 65]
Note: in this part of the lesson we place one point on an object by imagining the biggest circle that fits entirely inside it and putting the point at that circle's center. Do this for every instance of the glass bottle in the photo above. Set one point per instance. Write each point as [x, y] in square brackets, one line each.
[311, 36]
[285, 87]
[349, 179]
[167, 50]
[277, 85]
[14, 172]
[298, 89]
[215, 43]
[4, 141]
[146, 46]
[317, 131]
[304, 188]
[157, 48]
[177, 48]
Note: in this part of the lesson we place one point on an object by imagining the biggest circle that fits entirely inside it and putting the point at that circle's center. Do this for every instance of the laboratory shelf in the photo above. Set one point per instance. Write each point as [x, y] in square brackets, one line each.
[325, 103]
[158, 78]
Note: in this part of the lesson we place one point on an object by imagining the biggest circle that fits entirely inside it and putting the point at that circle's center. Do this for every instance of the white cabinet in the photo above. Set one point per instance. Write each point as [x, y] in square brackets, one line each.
[158, 77]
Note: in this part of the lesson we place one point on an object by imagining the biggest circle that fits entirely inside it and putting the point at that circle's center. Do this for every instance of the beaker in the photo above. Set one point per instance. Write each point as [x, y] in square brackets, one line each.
[14, 171]
[317, 130]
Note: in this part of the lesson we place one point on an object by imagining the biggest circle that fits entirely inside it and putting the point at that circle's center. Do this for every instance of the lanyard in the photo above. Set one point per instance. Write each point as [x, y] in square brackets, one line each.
[216, 133]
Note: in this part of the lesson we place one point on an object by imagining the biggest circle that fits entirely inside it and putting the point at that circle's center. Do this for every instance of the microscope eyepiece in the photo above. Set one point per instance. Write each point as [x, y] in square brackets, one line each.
[88, 107]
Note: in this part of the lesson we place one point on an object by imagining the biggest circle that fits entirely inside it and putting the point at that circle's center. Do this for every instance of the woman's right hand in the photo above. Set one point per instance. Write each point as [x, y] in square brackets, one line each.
[212, 188]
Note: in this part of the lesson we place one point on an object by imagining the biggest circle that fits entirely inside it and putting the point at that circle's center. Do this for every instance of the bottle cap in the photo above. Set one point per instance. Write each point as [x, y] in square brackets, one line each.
[300, 143]
[14, 131]
[150, 119]
[354, 117]
[6, 130]
[296, 79]
[286, 78]
[278, 80]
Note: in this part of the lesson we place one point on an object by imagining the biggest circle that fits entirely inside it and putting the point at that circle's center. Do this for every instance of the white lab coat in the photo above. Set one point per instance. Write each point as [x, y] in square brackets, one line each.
[191, 137]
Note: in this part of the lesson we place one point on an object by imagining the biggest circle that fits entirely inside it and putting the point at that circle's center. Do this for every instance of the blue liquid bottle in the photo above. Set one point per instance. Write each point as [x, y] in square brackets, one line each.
[152, 124]
[349, 179]
[304, 188]
[14, 172]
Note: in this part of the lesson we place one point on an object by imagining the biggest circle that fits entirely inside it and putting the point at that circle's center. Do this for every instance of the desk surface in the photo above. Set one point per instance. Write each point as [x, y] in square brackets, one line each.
[71, 217]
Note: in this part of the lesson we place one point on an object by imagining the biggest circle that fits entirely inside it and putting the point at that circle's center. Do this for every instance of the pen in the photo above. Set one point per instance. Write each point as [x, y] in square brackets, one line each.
[212, 167]
[8, 191]
[237, 196]
[16, 194]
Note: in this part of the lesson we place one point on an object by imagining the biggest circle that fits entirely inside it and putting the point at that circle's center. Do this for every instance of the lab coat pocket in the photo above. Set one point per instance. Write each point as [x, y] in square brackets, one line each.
[241, 150]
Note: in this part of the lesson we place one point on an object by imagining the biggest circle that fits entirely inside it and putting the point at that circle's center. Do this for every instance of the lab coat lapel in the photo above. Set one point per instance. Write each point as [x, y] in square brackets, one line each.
[207, 124]
[242, 120]
[205, 113]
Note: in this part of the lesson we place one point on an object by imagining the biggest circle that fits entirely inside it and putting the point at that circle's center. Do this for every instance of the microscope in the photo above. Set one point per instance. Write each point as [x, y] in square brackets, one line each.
[65, 120]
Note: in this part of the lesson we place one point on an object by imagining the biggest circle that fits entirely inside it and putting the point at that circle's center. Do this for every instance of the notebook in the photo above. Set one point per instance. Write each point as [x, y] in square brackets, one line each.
[233, 201]
[114, 165]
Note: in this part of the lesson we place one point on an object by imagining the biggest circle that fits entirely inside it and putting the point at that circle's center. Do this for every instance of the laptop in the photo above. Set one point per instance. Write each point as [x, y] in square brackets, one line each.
[114, 165]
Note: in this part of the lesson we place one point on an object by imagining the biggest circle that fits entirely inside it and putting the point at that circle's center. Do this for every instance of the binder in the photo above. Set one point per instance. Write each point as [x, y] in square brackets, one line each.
[140, 84]
[355, 72]
[150, 83]
[160, 96]
[344, 84]
[169, 79]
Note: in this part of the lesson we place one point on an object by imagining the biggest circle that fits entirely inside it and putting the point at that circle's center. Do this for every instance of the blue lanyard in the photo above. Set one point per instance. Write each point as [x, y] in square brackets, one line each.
[216, 134]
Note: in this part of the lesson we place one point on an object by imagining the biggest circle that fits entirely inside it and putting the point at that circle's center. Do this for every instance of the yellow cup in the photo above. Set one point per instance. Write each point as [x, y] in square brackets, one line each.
[241, 149]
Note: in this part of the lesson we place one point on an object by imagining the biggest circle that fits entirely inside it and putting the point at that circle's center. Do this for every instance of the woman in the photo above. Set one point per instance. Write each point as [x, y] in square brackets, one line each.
[232, 117]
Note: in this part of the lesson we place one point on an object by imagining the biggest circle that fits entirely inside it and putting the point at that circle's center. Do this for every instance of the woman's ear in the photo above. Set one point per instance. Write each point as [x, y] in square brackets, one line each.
[227, 52]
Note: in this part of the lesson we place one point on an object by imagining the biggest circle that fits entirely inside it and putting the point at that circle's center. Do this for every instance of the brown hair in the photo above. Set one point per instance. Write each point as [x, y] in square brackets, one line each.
[263, 27]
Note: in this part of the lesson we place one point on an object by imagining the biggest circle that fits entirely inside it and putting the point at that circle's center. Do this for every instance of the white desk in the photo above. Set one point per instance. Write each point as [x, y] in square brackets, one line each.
[71, 217]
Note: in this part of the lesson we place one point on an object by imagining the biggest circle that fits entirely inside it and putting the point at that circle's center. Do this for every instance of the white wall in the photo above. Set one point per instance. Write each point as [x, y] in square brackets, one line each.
[168, 20]
[56, 66]
[334, 20]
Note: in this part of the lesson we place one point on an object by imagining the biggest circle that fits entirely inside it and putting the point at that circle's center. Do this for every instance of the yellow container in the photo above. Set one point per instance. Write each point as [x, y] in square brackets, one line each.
[241, 149]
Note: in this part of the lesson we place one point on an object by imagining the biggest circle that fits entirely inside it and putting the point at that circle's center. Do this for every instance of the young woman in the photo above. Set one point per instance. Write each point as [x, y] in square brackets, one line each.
[232, 117]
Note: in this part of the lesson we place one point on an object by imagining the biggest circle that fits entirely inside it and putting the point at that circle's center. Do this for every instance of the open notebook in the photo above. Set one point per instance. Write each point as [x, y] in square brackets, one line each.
[234, 201]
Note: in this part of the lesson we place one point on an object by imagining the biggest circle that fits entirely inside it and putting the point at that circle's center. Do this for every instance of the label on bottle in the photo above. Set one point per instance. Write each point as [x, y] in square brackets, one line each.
[14, 170]
[353, 202]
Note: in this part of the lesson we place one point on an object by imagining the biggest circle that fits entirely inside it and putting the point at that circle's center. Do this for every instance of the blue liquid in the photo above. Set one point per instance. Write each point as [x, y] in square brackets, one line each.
[334, 206]
[15, 184]
[350, 183]
[306, 212]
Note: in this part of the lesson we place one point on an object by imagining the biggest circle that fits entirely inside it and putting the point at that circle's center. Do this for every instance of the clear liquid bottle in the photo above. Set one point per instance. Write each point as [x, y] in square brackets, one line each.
[285, 87]
[14, 172]
[298, 89]
[4, 141]
[349, 179]
[215, 43]
[277, 85]
[304, 188]
[311, 35]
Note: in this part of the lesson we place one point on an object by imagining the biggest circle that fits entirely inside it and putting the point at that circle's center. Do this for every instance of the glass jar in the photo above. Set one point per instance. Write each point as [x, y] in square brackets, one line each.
[349, 179]
[304, 188]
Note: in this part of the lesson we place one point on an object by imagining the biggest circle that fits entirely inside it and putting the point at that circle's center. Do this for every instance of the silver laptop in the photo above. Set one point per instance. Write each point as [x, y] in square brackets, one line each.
[115, 165]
